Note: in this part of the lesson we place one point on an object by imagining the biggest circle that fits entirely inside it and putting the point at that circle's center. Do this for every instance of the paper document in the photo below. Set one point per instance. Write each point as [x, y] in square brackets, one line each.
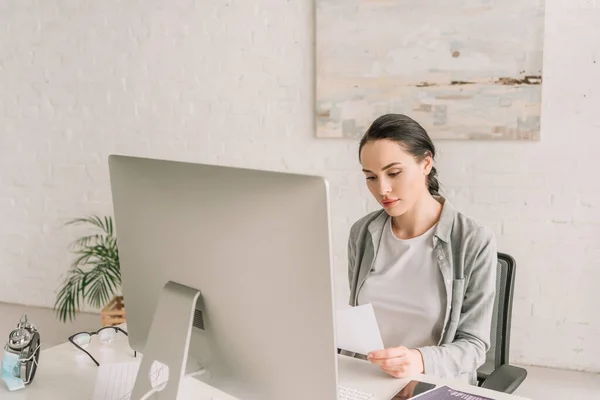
[357, 329]
[115, 381]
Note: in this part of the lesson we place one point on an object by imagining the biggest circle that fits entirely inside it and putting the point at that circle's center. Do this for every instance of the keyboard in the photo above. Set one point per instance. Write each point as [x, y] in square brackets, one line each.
[346, 393]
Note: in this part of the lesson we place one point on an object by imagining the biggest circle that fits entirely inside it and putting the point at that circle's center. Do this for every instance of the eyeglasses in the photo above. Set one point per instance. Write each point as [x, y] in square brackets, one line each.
[106, 335]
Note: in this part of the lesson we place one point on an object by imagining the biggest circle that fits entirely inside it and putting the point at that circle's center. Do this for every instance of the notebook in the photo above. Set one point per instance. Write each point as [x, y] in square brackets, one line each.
[446, 393]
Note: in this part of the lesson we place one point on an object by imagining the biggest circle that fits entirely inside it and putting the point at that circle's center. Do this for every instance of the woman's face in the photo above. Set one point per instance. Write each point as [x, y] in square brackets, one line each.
[395, 178]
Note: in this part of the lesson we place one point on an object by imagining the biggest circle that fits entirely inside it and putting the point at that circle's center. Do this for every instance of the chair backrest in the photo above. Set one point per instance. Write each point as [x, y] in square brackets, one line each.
[498, 353]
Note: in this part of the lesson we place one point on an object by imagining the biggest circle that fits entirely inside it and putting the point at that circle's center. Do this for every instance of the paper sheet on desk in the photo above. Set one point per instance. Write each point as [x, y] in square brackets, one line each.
[357, 329]
[115, 381]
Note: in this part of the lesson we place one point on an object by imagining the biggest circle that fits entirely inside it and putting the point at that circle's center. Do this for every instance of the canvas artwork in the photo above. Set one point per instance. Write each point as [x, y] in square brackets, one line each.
[464, 69]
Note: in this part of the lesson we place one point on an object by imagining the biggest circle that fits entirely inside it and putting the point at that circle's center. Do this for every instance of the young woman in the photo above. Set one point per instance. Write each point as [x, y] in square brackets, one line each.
[428, 270]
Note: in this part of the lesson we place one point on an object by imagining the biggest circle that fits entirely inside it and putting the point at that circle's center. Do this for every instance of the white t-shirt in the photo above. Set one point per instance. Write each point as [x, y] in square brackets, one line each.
[406, 289]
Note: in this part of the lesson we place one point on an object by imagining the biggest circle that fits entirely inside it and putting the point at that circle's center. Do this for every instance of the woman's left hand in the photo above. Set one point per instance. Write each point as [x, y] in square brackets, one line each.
[400, 362]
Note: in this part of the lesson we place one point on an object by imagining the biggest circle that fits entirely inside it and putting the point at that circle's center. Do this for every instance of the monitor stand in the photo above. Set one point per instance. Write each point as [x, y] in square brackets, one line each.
[168, 341]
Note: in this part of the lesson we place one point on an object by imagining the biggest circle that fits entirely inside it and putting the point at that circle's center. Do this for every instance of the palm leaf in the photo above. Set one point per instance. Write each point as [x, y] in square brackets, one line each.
[86, 240]
[95, 274]
[104, 224]
[67, 301]
[98, 286]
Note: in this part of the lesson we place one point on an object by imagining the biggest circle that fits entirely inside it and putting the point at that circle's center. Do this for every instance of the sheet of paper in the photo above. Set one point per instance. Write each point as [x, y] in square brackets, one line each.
[115, 381]
[357, 329]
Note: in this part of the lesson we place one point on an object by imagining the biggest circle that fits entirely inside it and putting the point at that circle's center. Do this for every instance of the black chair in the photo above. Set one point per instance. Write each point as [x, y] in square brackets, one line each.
[497, 374]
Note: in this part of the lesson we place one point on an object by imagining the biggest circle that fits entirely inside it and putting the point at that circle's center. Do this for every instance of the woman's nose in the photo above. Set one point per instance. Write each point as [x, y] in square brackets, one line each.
[384, 187]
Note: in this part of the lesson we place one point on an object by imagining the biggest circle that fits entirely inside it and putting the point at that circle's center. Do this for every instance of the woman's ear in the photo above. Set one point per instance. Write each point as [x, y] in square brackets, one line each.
[427, 164]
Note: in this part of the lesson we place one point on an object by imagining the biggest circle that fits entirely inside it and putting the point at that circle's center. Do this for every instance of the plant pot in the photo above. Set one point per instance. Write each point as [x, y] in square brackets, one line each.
[114, 312]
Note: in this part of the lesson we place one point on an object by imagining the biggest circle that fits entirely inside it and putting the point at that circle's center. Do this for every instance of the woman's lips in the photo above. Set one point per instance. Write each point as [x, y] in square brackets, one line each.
[390, 203]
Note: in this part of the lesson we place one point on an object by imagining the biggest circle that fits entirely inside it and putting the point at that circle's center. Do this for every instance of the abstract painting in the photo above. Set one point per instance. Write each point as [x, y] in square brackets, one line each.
[464, 69]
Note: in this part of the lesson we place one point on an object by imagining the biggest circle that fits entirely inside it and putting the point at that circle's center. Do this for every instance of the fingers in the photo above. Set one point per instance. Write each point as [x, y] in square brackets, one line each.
[392, 352]
[391, 363]
[390, 358]
[395, 361]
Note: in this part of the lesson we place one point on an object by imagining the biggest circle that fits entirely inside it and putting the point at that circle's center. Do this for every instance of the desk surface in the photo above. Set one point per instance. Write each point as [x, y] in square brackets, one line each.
[66, 373]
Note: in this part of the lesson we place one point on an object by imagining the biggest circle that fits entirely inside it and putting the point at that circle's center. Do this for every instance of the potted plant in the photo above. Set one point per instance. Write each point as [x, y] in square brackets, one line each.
[95, 275]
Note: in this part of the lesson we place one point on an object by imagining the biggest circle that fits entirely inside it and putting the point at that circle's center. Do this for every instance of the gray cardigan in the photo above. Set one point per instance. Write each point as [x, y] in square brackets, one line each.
[467, 258]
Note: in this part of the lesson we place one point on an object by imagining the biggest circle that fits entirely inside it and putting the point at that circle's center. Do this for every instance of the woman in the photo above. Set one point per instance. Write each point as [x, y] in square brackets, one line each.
[428, 270]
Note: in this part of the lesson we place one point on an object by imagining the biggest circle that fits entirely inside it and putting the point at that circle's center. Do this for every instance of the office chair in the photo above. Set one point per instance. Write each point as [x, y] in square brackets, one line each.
[497, 374]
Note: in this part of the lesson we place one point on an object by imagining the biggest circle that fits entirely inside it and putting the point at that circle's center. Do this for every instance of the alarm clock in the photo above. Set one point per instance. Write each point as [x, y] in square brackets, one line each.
[24, 341]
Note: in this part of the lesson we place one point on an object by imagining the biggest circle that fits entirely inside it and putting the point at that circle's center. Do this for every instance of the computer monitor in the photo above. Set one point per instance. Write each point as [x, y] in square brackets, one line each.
[244, 254]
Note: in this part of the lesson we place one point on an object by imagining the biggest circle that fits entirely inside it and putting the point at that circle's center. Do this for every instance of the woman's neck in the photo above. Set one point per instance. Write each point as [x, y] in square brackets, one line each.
[418, 220]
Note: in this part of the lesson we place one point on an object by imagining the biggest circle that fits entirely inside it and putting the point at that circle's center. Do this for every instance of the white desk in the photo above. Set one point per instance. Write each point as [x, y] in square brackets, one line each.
[66, 373]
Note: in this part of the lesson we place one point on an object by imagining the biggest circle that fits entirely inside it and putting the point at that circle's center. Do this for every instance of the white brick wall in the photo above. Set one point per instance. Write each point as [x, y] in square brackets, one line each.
[231, 82]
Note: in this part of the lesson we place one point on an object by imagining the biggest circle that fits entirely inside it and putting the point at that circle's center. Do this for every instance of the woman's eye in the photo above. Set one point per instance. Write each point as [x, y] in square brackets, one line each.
[393, 174]
[371, 178]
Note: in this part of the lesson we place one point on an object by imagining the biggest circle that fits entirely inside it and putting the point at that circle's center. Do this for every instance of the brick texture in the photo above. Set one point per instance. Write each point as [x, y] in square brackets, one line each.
[231, 82]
